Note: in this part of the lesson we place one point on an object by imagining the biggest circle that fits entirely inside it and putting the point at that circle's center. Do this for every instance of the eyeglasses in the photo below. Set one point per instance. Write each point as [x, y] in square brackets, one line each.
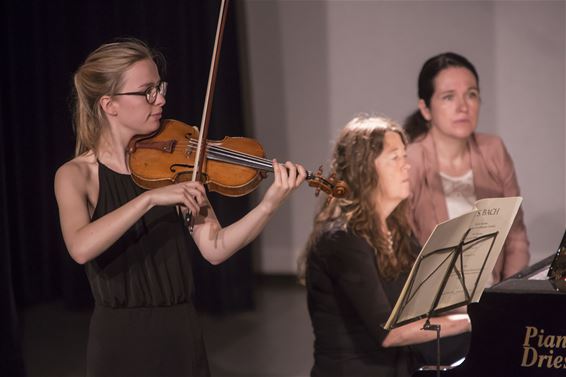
[150, 93]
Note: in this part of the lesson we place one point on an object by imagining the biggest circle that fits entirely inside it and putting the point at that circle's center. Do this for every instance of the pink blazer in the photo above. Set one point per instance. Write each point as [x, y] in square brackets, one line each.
[494, 176]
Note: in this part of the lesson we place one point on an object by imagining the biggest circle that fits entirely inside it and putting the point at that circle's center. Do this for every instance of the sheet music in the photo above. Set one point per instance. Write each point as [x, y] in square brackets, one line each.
[440, 279]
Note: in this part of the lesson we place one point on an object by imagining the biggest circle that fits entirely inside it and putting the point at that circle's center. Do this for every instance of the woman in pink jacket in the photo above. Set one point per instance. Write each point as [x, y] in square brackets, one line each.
[452, 165]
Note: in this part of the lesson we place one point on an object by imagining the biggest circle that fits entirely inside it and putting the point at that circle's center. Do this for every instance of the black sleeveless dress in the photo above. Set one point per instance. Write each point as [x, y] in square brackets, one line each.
[144, 322]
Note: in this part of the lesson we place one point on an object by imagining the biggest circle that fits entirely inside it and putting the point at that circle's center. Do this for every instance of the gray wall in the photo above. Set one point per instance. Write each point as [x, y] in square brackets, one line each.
[312, 65]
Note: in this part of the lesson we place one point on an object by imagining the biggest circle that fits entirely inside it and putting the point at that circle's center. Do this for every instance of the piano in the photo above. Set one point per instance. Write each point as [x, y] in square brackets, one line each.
[518, 326]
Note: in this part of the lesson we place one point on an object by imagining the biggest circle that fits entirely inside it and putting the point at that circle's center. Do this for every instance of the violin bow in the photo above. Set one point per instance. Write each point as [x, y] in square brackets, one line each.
[207, 110]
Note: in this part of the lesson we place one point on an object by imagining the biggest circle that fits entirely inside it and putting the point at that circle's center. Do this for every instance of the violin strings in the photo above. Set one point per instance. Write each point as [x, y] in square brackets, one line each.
[263, 162]
[238, 156]
[230, 156]
[241, 160]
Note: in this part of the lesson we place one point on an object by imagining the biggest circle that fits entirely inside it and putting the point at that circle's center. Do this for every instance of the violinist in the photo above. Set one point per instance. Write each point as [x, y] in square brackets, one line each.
[132, 241]
[358, 257]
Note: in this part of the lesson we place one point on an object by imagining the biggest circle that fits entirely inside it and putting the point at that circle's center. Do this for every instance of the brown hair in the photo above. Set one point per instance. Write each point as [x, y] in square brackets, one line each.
[358, 145]
[101, 74]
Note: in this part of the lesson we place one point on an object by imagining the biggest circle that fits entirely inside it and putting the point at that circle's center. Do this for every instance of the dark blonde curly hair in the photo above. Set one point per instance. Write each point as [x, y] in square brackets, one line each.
[358, 145]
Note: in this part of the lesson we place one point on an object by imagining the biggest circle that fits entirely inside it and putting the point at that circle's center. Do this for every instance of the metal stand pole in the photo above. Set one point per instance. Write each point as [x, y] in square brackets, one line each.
[431, 327]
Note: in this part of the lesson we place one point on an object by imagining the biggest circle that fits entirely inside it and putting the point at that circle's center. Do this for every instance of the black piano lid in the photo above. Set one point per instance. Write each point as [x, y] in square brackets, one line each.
[533, 279]
[545, 277]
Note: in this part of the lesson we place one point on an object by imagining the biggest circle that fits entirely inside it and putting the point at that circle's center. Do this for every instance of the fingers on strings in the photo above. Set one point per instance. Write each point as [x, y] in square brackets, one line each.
[288, 175]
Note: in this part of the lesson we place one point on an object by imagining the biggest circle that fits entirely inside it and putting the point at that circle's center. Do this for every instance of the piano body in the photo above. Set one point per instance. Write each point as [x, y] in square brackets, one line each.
[518, 328]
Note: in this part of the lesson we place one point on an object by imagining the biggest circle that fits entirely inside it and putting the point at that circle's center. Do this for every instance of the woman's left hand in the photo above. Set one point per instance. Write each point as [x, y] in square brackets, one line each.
[287, 177]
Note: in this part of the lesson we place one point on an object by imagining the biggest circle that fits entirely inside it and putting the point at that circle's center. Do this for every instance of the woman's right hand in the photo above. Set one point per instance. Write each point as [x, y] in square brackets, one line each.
[190, 195]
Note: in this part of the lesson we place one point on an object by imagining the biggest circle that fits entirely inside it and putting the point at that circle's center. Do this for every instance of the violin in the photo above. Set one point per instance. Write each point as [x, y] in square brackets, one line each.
[233, 166]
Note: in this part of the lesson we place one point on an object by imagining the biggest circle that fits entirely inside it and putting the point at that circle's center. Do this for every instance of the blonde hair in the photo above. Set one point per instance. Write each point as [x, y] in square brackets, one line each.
[358, 145]
[102, 74]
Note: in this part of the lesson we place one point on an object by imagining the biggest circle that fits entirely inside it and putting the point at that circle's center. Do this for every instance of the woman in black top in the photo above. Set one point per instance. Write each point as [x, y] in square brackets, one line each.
[132, 241]
[358, 257]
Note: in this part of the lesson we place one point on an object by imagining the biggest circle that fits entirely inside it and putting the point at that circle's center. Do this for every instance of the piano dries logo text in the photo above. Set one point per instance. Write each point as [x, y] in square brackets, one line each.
[539, 349]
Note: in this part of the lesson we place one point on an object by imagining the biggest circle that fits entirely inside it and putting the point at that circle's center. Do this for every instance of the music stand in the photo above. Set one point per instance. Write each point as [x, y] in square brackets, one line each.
[455, 264]
[456, 255]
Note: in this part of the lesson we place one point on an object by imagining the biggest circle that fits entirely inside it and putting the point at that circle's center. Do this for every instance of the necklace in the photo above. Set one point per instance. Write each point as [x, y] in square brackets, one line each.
[389, 242]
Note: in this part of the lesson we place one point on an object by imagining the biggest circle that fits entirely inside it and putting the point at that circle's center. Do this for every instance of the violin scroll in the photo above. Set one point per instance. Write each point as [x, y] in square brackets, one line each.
[331, 186]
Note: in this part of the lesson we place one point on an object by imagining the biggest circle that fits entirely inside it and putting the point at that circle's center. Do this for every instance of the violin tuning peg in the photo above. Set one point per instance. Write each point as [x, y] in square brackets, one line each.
[332, 178]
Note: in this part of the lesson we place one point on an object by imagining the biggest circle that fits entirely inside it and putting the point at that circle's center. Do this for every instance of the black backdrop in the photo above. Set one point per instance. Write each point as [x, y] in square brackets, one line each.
[42, 44]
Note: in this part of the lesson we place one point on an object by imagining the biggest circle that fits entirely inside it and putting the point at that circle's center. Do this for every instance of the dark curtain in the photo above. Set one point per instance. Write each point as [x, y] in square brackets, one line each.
[43, 43]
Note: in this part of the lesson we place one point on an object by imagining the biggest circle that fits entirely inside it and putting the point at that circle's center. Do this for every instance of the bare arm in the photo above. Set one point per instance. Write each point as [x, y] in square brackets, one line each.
[217, 244]
[85, 240]
[412, 333]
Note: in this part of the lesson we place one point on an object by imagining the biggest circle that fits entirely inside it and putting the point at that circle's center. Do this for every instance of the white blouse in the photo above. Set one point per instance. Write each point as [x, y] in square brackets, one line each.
[459, 193]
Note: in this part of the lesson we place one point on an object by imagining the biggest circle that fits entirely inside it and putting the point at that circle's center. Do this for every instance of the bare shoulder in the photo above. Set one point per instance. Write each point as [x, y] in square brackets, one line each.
[77, 173]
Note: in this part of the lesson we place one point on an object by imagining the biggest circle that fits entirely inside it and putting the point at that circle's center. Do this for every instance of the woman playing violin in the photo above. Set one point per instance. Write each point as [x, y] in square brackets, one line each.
[132, 241]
